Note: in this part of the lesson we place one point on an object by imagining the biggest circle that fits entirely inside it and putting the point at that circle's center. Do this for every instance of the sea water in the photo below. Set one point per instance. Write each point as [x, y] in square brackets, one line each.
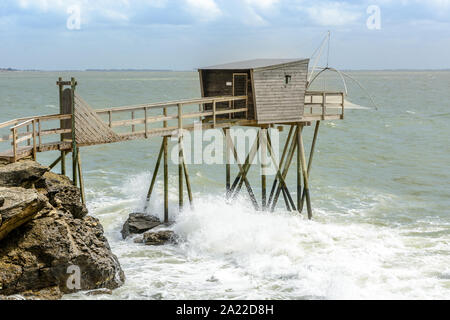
[380, 189]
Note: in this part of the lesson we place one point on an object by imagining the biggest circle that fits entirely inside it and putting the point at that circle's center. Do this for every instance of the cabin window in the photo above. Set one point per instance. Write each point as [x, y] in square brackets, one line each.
[287, 79]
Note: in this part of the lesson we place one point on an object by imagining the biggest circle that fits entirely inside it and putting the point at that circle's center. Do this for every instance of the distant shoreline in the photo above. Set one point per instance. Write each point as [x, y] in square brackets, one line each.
[89, 70]
[194, 70]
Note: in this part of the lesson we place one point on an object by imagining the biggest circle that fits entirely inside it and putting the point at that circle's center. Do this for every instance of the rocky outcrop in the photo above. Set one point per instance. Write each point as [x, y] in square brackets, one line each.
[62, 194]
[21, 174]
[49, 246]
[138, 223]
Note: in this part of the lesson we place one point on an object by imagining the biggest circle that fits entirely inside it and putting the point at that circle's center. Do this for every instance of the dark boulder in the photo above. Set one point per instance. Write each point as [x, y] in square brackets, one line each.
[43, 254]
[159, 238]
[138, 223]
[48, 246]
[21, 174]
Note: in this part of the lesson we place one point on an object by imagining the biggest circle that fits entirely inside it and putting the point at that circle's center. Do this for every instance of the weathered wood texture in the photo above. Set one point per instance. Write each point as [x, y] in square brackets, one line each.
[276, 93]
[89, 128]
[220, 83]
[66, 108]
[280, 92]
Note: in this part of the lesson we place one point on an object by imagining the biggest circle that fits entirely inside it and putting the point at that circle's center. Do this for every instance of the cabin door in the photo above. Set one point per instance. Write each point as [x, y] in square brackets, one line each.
[240, 88]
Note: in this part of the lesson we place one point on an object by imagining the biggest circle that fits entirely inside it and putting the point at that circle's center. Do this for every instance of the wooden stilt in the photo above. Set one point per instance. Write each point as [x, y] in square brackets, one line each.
[186, 177]
[251, 157]
[55, 163]
[299, 180]
[311, 155]
[246, 167]
[241, 170]
[74, 142]
[286, 200]
[63, 163]
[281, 177]
[304, 171]
[61, 110]
[166, 174]
[227, 165]
[80, 175]
[285, 171]
[264, 135]
[155, 174]
[285, 149]
[180, 158]
[166, 182]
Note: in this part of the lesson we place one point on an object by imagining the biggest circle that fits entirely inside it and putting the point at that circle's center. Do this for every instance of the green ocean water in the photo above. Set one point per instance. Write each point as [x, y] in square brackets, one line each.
[380, 186]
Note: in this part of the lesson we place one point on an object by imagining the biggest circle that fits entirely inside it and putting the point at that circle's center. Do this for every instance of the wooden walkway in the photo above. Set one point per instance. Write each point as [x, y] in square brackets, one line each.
[32, 135]
[82, 126]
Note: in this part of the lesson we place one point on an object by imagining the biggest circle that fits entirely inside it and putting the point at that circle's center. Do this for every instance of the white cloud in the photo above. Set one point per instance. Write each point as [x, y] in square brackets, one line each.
[42, 5]
[254, 10]
[262, 4]
[332, 14]
[117, 11]
[205, 10]
[440, 4]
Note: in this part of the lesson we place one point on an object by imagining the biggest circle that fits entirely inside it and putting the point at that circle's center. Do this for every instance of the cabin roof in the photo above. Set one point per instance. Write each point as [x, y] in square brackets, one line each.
[251, 64]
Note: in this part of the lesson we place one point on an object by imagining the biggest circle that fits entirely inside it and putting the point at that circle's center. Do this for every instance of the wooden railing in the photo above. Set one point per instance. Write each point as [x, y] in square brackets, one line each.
[26, 134]
[29, 131]
[205, 116]
[324, 104]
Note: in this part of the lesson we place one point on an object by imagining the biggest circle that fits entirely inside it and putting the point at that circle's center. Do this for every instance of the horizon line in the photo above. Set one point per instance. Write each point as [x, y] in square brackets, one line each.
[191, 70]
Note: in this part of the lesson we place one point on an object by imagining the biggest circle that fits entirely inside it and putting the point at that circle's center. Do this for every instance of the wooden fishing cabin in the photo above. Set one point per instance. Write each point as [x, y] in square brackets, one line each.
[262, 93]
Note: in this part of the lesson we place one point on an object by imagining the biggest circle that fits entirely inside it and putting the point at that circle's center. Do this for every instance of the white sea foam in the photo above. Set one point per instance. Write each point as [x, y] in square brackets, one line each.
[231, 251]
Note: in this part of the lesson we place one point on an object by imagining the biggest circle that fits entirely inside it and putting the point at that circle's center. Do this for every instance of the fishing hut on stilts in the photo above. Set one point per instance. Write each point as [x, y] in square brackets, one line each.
[263, 93]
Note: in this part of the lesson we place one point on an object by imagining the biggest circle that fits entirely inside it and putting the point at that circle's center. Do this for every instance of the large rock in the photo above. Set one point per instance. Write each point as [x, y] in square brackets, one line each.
[62, 194]
[46, 237]
[40, 255]
[21, 174]
[138, 223]
[159, 238]
[17, 207]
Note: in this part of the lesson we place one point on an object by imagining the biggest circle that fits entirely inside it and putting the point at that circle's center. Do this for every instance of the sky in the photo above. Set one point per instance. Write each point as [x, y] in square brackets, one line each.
[187, 34]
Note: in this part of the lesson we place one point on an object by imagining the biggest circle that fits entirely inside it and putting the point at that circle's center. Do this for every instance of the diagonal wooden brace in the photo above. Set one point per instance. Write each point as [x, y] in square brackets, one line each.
[241, 171]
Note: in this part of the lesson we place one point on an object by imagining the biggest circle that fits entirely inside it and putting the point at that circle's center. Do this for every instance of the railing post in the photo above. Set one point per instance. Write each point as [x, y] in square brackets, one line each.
[28, 132]
[39, 133]
[343, 103]
[14, 136]
[110, 118]
[34, 140]
[146, 123]
[133, 127]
